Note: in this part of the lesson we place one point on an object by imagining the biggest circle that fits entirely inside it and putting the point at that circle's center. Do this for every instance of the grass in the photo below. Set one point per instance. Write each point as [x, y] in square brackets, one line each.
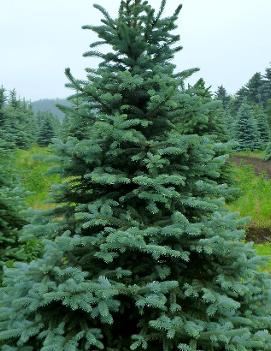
[254, 200]
[255, 196]
[265, 251]
[33, 171]
[255, 154]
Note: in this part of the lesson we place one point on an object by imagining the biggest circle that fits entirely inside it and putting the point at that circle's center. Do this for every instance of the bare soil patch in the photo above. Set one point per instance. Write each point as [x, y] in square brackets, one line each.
[259, 166]
[259, 235]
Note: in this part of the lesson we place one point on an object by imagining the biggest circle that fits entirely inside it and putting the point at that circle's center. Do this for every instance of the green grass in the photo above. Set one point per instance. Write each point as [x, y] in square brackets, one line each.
[255, 154]
[255, 196]
[255, 200]
[265, 251]
[33, 175]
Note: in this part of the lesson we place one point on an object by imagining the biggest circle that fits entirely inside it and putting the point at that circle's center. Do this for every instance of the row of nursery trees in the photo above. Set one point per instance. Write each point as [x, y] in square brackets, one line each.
[20, 127]
[247, 114]
[139, 251]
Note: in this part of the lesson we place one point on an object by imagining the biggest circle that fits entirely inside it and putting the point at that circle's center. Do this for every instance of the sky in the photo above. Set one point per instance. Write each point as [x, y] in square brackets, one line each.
[229, 40]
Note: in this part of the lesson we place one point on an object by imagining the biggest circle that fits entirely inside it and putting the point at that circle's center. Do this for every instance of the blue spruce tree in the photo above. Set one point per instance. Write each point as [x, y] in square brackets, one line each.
[11, 218]
[246, 131]
[262, 126]
[46, 132]
[140, 252]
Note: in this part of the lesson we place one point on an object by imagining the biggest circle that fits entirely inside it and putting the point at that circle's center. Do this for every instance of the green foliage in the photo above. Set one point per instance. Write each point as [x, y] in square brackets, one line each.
[229, 123]
[77, 118]
[254, 88]
[12, 218]
[246, 132]
[258, 89]
[49, 126]
[17, 121]
[268, 111]
[257, 93]
[262, 126]
[222, 95]
[140, 252]
[267, 155]
[10, 205]
[210, 120]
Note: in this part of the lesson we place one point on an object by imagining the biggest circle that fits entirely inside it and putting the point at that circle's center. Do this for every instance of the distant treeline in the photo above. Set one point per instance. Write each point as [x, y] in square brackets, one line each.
[245, 117]
[247, 114]
[21, 126]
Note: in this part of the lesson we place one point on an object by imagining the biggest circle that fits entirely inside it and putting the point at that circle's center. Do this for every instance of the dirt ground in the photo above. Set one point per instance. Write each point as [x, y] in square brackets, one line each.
[259, 235]
[260, 166]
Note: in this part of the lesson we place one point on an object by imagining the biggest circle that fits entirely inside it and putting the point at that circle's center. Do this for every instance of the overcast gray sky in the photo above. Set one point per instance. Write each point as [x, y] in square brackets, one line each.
[228, 40]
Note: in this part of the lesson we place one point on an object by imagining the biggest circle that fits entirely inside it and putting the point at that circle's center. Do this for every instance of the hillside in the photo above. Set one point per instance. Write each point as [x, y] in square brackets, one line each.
[49, 105]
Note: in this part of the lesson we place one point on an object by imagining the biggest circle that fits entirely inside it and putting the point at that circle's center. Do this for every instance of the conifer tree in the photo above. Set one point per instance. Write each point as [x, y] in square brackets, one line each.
[2, 106]
[246, 132]
[208, 111]
[46, 132]
[254, 89]
[262, 126]
[239, 98]
[2, 112]
[141, 254]
[211, 122]
[11, 221]
[4, 138]
[20, 125]
[267, 156]
[268, 112]
[229, 123]
[77, 118]
[267, 86]
[222, 95]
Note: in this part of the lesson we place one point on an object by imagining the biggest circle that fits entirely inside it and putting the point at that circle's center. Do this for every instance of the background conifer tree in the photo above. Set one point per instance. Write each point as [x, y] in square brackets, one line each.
[254, 89]
[2, 113]
[246, 132]
[267, 155]
[11, 203]
[262, 126]
[78, 118]
[5, 142]
[230, 123]
[19, 128]
[2, 106]
[257, 90]
[46, 132]
[222, 95]
[267, 85]
[209, 119]
[141, 253]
